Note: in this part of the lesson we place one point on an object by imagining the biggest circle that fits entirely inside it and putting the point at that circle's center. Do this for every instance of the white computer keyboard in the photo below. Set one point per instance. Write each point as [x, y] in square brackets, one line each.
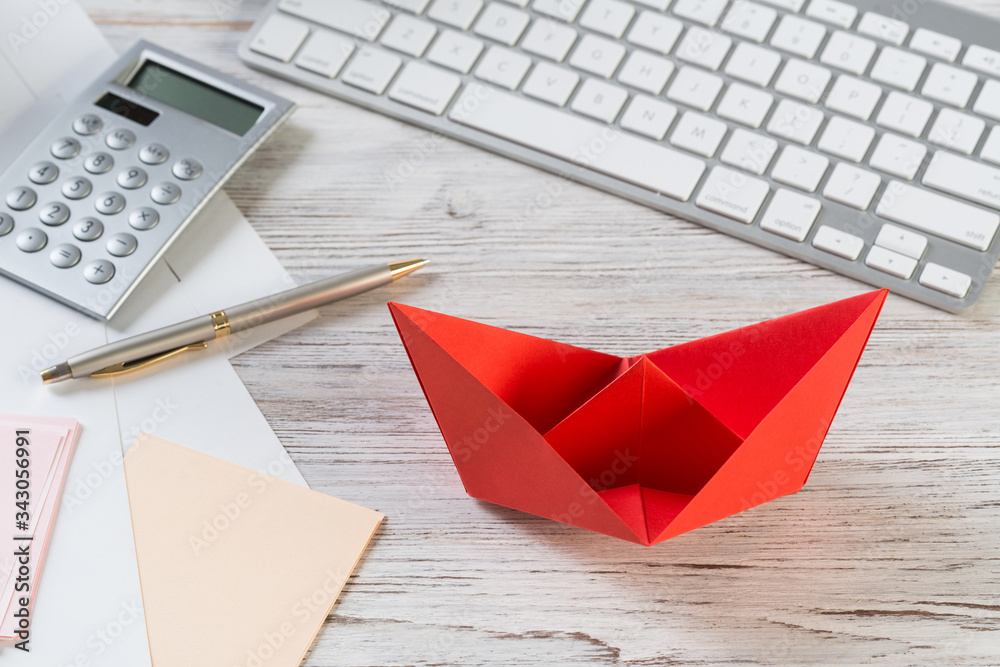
[860, 142]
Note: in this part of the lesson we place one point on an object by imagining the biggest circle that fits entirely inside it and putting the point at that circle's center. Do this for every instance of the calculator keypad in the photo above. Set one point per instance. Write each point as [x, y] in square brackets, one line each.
[6, 224]
[120, 139]
[132, 178]
[88, 229]
[65, 256]
[21, 198]
[165, 193]
[110, 203]
[143, 218]
[187, 169]
[99, 271]
[122, 245]
[32, 240]
[76, 188]
[43, 173]
[54, 213]
[88, 124]
[65, 148]
[154, 154]
[99, 163]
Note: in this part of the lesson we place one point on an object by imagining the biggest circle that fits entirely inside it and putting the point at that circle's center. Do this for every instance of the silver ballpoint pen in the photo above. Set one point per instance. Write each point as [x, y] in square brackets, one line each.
[137, 352]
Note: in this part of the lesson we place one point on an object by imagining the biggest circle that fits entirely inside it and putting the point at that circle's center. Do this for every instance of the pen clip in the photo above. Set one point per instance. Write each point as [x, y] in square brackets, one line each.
[132, 366]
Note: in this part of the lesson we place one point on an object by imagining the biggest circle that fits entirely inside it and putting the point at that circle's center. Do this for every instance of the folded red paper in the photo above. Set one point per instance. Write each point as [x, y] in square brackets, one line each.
[642, 448]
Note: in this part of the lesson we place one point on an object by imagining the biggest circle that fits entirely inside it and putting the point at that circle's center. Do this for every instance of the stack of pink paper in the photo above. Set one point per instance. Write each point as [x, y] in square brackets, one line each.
[34, 457]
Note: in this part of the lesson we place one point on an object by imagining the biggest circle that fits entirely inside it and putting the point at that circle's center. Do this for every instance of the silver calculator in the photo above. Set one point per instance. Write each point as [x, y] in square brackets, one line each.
[100, 194]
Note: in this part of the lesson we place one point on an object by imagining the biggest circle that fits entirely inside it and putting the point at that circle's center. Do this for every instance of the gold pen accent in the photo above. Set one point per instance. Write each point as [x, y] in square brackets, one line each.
[400, 269]
[220, 322]
[127, 367]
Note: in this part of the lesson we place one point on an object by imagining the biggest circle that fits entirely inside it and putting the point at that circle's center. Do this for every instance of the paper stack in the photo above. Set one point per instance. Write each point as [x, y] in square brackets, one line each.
[34, 457]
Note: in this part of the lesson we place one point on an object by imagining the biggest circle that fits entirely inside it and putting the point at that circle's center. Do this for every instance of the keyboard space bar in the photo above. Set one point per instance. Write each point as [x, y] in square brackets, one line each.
[593, 145]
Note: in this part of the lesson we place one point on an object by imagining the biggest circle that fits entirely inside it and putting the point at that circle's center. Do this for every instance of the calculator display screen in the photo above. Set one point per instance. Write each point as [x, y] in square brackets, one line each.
[195, 97]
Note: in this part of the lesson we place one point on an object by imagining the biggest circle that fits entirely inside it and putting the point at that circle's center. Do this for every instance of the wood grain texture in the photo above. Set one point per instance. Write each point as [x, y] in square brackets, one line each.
[890, 555]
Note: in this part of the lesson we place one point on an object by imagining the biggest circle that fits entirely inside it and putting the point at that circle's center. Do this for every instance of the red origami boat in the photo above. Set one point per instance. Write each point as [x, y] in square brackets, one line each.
[641, 448]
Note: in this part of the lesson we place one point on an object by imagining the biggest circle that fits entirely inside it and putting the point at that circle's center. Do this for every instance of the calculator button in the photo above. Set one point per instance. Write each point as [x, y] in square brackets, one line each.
[99, 163]
[154, 154]
[88, 229]
[32, 240]
[65, 148]
[121, 245]
[54, 213]
[99, 271]
[165, 193]
[143, 218]
[132, 178]
[120, 139]
[65, 255]
[76, 188]
[187, 169]
[87, 125]
[43, 172]
[21, 198]
[110, 203]
[6, 224]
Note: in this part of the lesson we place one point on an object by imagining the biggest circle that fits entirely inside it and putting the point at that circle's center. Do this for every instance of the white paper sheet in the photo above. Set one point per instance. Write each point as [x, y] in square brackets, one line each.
[89, 605]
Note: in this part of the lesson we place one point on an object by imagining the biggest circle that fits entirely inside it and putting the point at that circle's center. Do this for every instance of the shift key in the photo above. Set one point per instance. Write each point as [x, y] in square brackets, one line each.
[937, 214]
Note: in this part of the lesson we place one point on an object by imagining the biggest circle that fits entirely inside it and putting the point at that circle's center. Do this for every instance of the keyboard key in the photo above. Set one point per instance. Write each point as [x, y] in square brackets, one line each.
[413, 6]
[945, 280]
[897, 156]
[502, 23]
[32, 240]
[795, 122]
[698, 134]
[280, 37]
[753, 64]
[852, 187]
[43, 173]
[597, 55]
[803, 80]
[655, 32]
[120, 139]
[749, 20]
[798, 36]
[749, 151]
[599, 100]
[88, 229]
[520, 3]
[991, 148]
[549, 39]
[958, 131]
[551, 84]
[964, 178]
[950, 85]
[564, 10]
[745, 105]
[704, 47]
[143, 219]
[355, 17]
[936, 214]
[66, 148]
[408, 35]
[646, 72]
[982, 60]
[638, 161]
[456, 13]
[935, 44]
[790, 215]
[988, 102]
[79, 187]
[705, 12]
[165, 193]
[800, 168]
[891, 262]
[658, 5]
[99, 271]
[853, 97]
[121, 245]
[733, 194]
[372, 69]
[846, 139]
[53, 214]
[788, 5]
[695, 88]
[902, 241]
[503, 67]
[905, 113]
[455, 51]
[325, 53]
[883, 27]
[649, 117]
[6, 224]
[848, 52]
[98, 163]
[839, 243]
[838, 13]
[425, 87]
[609, 17]
[898, 68]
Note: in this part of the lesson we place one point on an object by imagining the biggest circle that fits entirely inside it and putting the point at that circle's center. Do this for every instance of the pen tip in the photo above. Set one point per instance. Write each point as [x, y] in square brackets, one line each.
[400, 269]
[57, 373]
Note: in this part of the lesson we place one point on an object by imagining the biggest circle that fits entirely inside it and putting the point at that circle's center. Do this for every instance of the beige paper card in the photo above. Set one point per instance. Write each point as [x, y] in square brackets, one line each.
[237, 568]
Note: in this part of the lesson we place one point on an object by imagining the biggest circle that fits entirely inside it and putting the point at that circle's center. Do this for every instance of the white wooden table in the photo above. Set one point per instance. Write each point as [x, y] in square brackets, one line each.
[890, 555]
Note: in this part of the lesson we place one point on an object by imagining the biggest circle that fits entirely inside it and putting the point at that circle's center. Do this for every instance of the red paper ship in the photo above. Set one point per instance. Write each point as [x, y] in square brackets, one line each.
[642, 448]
